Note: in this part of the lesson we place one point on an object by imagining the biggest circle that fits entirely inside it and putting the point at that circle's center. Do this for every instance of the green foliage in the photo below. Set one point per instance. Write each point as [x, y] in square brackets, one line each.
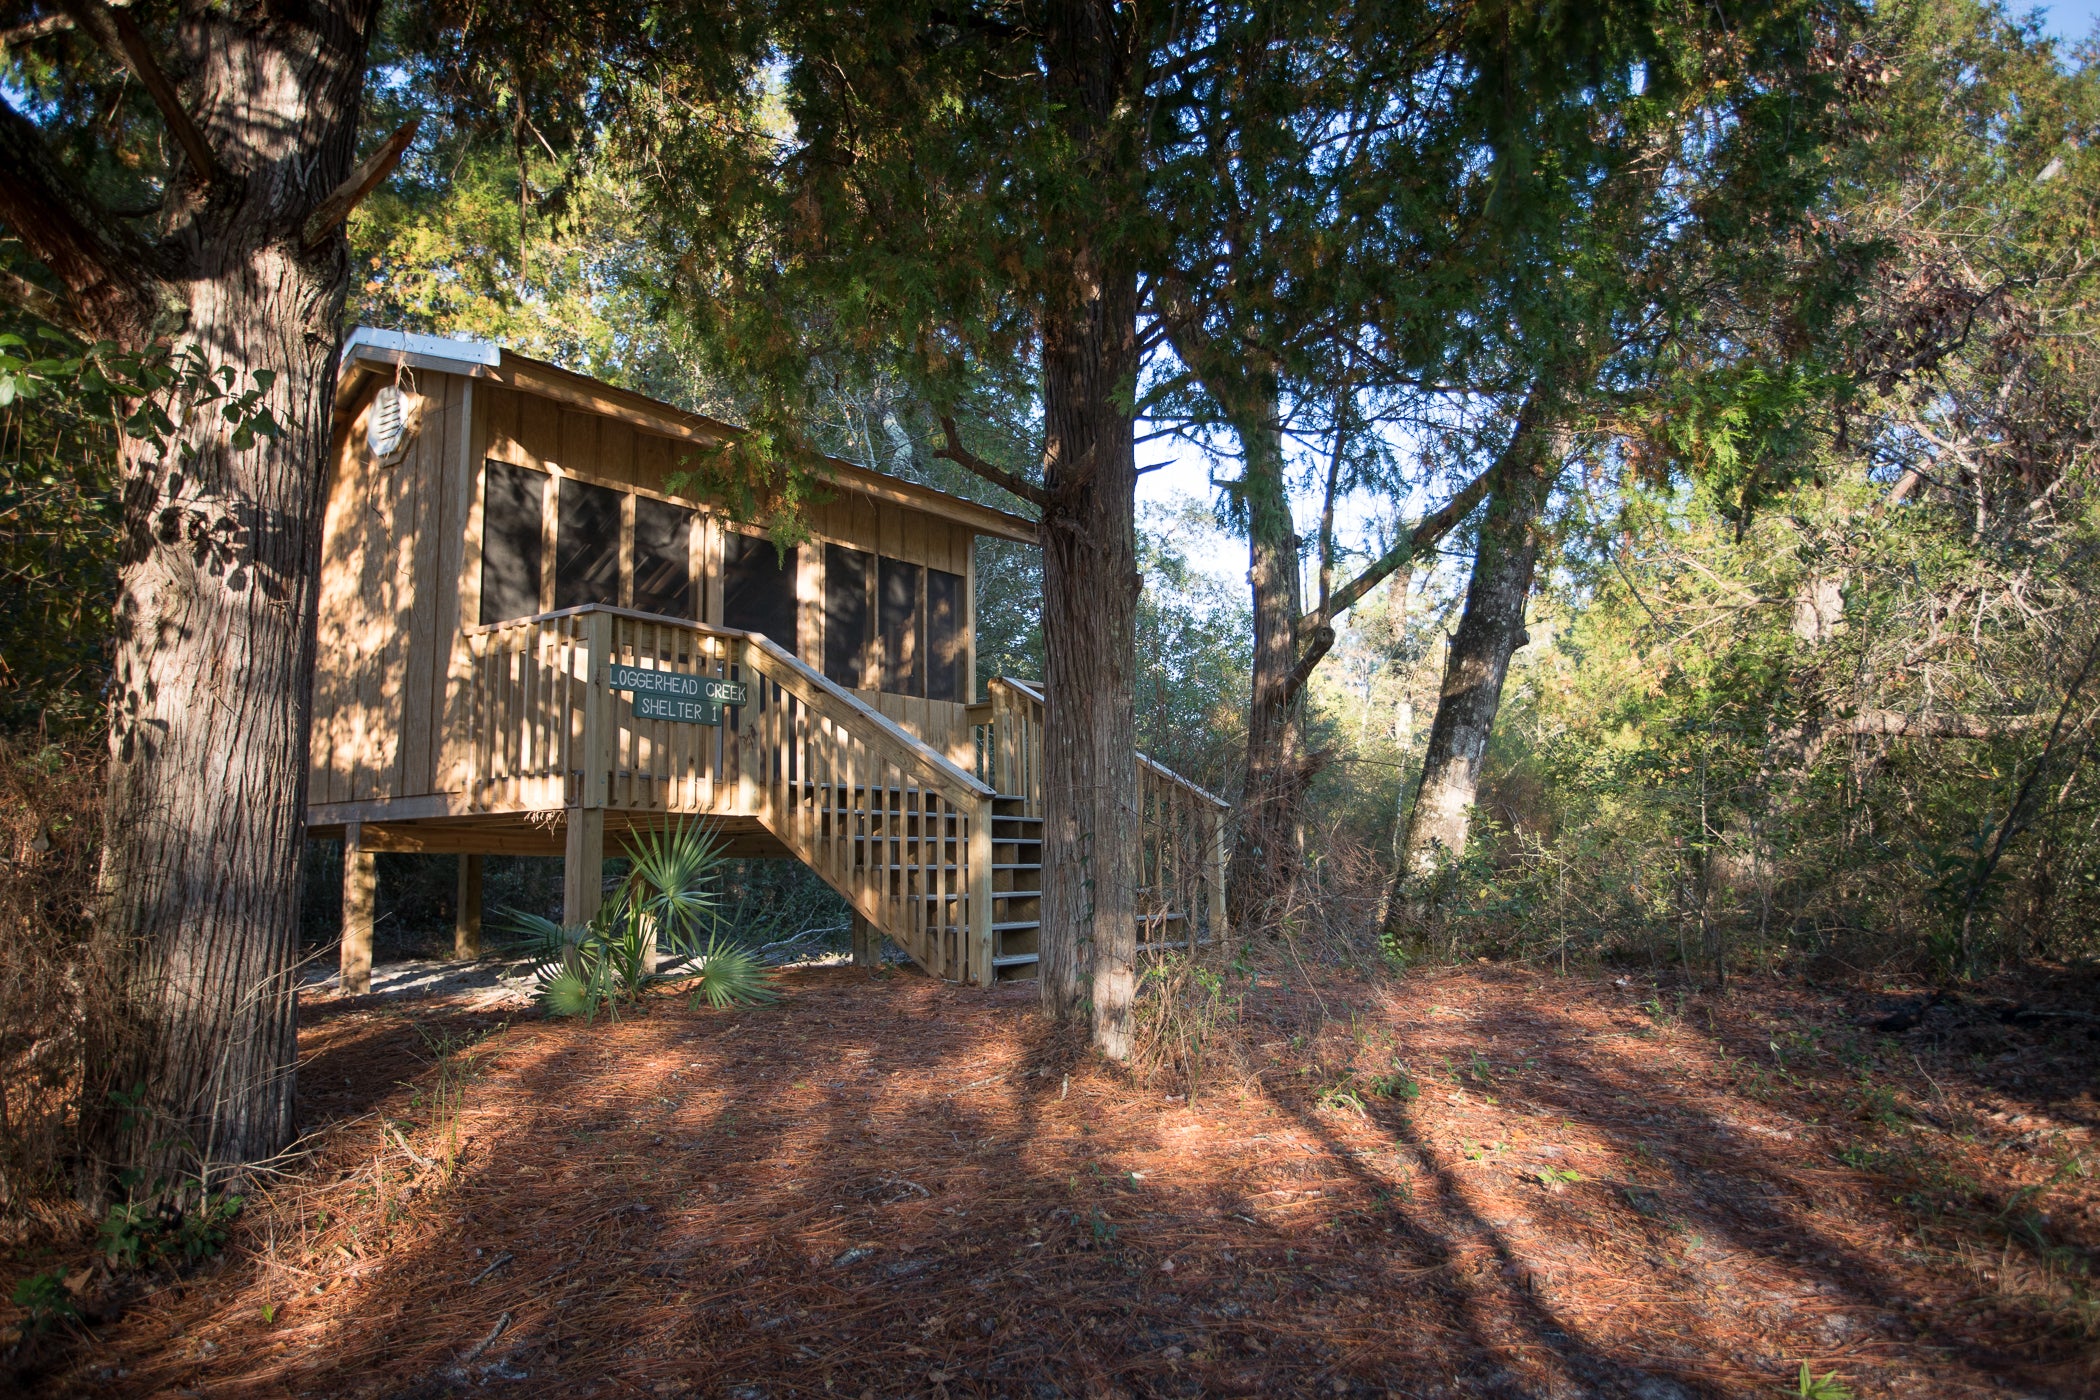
[64, 409]
[1397, 1085]
[154, 1229]
[46, 1300]
[728, 975]
[667, 904]
[1810, 1386]
[1194, 650]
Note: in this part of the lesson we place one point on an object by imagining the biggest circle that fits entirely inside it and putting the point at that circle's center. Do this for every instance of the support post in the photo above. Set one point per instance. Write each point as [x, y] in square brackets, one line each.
[583, 854]
[583, 865]
[360, 895]
[1219, 861]
[979, 960]
[466, 916]
[867, 942]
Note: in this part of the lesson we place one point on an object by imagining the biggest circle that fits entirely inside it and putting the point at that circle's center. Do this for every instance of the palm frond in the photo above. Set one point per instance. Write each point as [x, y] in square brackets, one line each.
[730, 976]
[673, 876]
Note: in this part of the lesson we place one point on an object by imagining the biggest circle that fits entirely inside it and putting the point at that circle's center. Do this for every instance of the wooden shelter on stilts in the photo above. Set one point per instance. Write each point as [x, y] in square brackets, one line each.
[529, 644]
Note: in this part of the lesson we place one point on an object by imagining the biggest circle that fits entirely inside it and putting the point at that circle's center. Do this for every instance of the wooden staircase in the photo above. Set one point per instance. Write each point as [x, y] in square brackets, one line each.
[1017, 888]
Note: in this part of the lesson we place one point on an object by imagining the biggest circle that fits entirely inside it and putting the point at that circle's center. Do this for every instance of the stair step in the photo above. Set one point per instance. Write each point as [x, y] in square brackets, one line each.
[1018, 924]
[1017, 894]
[1015, 960]
[1025, 865]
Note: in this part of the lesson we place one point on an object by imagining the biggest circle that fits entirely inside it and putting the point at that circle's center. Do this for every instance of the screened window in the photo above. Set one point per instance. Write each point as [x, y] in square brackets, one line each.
[587, 546]
[663, 575]
[758, 588]
[903, 666]
[846, 631]
[513, 504]
[947, 645]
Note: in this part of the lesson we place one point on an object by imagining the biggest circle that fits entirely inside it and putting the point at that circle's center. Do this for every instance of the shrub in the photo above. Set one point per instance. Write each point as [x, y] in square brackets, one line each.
[663, 905]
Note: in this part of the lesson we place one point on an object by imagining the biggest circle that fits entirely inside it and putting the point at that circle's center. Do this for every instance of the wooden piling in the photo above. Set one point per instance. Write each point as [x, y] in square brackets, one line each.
[466, 916]
[360, 896]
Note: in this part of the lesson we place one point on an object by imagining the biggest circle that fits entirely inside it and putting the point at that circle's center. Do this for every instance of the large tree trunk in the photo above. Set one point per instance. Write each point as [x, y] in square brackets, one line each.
[1489, 632]
[1265, 850]
[193, 1054]
[1090, 579]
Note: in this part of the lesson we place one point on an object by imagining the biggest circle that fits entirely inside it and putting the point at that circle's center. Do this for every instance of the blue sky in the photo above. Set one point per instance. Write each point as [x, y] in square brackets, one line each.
[2071, 19]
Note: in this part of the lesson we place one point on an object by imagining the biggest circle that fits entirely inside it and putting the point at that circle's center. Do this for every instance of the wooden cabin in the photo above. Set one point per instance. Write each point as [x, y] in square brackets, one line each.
[530, 643]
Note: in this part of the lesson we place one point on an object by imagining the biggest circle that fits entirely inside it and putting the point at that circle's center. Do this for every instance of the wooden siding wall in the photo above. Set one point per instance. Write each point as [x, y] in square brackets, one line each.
[881, 528]
[402, 568]
[389, 603]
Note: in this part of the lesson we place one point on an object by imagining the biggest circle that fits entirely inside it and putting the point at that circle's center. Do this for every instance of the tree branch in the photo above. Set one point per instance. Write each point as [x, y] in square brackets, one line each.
[1411, 546]
[119, 34]
[330, 213]
[998, 476]
[1334, 473]
[46, 306]
[1894, 724]
[109, 273]
[34, 29]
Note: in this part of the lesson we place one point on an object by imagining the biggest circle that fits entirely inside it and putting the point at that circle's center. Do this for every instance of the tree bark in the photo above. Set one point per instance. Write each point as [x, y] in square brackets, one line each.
[1265, 848]
[1090, 581]
[193, 1055]
[1489, 632]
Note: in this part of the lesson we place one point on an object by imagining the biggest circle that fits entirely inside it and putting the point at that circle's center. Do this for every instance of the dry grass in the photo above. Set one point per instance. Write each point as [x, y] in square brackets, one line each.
[885, 1186]
[49, 821]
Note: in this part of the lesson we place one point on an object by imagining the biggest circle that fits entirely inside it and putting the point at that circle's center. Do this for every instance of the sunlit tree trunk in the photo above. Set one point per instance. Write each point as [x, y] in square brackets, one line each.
[1490, 630]
[1265, 849]
[1090, 578]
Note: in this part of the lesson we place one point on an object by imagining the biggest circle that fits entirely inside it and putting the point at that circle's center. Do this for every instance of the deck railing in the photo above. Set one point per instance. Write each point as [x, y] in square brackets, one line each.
[1181, 826]
[903, 834]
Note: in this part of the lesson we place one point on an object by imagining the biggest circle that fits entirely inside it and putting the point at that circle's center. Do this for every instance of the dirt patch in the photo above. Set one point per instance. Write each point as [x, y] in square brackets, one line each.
[1490, 1183]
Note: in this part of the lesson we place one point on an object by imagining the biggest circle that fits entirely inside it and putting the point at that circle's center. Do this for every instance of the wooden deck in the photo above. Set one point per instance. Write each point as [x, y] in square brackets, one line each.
[946, 861]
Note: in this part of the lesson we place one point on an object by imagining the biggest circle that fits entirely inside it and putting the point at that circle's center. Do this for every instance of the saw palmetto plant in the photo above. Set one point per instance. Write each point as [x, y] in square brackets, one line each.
[661, 924]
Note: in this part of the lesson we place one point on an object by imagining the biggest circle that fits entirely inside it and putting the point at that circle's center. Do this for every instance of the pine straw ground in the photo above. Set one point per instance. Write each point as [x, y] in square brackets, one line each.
[883, 1186]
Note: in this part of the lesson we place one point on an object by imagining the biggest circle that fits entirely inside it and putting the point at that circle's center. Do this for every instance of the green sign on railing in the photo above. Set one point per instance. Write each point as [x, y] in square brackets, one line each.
[671, 707]
[680, 685]
[676, 695]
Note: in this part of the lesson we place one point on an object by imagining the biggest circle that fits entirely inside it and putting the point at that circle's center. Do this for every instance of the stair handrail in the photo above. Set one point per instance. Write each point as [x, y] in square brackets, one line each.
[938, 766]
[1161, 770]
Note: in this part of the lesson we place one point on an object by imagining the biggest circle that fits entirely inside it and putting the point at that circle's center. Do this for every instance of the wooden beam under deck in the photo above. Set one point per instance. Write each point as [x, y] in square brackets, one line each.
[537, 834]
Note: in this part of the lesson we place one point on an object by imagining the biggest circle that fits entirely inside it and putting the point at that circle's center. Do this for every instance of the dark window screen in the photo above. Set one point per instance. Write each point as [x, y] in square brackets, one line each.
[903, 668]
[947, 649]
[845, 613]
[587, 546]
[513, 500]
[758, 589]
[663, 576]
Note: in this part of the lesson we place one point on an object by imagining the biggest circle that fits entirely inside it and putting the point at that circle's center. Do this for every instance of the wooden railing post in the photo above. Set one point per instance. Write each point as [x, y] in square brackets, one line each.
[583, 852]
[597, 710]
[747, 721]
[979, 955]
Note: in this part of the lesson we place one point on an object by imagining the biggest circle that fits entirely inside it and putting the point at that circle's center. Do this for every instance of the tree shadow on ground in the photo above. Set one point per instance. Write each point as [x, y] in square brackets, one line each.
[884, 1185]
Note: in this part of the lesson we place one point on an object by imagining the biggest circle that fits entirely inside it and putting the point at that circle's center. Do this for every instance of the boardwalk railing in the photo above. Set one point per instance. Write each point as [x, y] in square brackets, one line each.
[1181, 849]
[903, 834]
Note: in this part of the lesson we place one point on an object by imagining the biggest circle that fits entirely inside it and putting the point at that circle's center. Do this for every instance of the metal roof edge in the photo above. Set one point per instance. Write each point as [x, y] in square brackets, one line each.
[433, 351]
